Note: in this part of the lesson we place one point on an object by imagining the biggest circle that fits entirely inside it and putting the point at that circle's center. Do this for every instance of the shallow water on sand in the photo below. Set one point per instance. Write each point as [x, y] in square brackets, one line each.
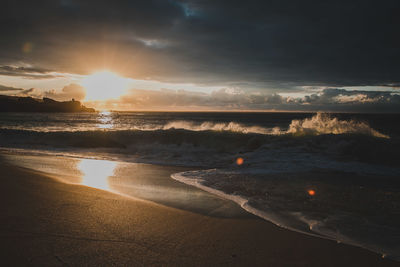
[142, 181]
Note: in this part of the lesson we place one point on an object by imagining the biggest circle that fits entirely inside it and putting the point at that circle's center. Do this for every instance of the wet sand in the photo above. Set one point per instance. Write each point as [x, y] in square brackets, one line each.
[48, 222]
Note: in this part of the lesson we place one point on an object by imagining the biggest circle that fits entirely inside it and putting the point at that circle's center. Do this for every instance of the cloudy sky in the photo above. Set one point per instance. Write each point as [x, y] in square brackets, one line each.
[205, 54]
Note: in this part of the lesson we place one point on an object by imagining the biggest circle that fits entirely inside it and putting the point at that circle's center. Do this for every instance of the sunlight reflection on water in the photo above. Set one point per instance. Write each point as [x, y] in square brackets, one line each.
[105, 119]
[95, 173]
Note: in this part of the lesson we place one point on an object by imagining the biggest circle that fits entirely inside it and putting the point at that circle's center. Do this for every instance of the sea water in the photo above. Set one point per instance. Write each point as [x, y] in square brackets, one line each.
[330, 175]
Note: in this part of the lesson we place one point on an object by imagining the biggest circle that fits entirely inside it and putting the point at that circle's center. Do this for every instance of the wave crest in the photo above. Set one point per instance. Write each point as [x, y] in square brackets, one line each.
[322, 123]
[212, 126]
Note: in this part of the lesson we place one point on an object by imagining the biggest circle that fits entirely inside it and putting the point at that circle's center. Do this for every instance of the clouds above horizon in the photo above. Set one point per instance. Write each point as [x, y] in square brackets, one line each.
[332, 99]
[328, 99]
[71, 91]
[26, 72]
[9, 89]
[273, 46]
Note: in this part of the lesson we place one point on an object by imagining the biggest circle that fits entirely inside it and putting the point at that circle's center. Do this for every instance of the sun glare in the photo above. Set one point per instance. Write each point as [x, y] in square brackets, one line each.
[104, 85]
[95, 173]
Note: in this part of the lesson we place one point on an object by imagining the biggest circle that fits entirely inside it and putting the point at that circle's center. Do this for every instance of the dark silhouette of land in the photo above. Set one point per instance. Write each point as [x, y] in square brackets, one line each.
[29, 104]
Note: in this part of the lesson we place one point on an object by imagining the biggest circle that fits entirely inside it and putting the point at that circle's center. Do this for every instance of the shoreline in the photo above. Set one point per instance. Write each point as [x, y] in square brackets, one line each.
[143, 181]
[270, 217]
[47, 222]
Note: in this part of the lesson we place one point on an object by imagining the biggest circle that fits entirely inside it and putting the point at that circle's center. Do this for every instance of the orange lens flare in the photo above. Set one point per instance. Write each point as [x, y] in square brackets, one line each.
[239, 161]
[27, 47]
[311, 192]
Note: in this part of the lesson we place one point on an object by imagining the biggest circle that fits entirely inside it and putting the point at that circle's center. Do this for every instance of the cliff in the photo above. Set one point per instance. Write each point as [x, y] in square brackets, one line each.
[29, 104]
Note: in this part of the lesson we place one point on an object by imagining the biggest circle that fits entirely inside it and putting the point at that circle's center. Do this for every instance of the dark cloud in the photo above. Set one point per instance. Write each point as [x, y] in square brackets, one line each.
[27, 72]
[271, 44]
[9, 89]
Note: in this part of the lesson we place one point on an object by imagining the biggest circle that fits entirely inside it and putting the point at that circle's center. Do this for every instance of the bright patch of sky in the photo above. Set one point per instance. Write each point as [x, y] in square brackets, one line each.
[63, 80]
[41, 84]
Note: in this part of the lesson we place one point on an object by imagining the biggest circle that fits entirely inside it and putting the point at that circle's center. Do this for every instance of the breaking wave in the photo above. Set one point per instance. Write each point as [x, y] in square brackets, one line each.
[212, 126]
[322, 123]
[216, 144]
[319, 124]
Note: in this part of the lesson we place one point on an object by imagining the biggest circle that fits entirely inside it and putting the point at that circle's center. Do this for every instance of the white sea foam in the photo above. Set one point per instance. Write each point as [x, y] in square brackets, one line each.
[285, 203]
[212, 126]
[189, 179]
[322, 123]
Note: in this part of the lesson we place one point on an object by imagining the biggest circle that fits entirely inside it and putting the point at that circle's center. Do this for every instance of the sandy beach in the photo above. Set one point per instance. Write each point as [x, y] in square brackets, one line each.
[47, 222]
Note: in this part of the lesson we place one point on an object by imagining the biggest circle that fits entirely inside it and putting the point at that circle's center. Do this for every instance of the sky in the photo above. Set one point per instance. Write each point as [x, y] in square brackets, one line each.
[205, 54]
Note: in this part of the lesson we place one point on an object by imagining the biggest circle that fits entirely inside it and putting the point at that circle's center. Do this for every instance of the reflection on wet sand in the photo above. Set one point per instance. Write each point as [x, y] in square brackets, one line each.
[95, 173]
[143, 181]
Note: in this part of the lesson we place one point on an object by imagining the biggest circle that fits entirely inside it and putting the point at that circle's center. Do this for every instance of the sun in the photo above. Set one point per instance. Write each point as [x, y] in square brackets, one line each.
[104, 85]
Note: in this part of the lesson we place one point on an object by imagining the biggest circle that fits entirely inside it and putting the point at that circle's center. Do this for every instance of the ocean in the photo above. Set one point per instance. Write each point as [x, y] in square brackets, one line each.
[334, 176]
